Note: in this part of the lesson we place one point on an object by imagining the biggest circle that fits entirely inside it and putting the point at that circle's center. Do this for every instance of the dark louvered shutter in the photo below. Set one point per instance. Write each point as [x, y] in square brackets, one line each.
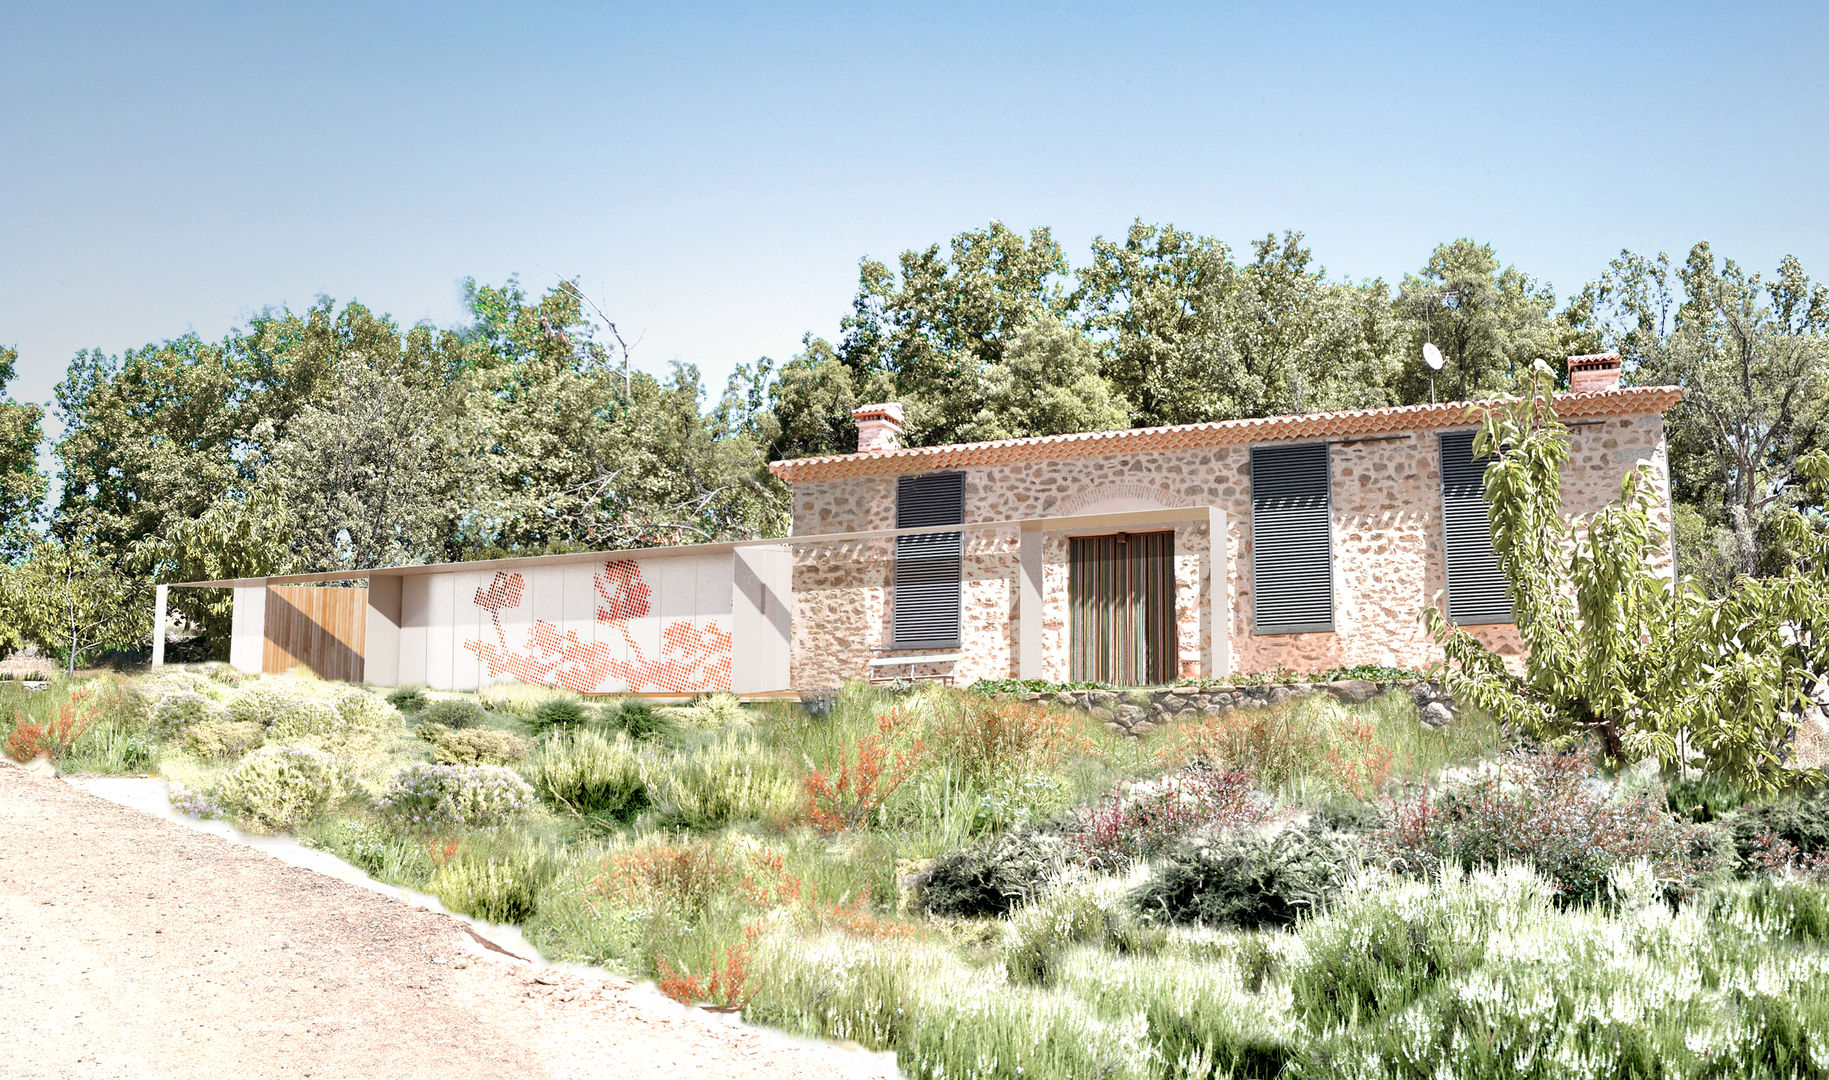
[927, 565]
[1292, 551]
[1476, 587]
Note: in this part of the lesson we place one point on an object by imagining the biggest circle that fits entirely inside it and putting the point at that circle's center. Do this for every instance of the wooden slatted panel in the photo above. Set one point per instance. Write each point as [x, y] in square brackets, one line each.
[1121, 602]
[1477, 589]
[320, 629]
[1292, 551]
[928, 566]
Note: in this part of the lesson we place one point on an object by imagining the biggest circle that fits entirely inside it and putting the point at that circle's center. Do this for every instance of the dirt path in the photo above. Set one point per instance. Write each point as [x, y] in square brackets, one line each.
[131, 947]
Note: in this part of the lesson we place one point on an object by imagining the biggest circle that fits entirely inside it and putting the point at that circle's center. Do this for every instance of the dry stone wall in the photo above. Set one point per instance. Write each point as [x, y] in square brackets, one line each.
[1141, 711]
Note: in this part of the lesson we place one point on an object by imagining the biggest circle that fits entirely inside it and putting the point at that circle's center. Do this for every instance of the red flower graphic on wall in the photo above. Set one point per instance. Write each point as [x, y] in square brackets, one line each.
[692, 657]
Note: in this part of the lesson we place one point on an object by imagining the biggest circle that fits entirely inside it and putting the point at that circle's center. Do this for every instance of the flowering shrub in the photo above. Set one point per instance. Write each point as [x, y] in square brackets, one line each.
[277, 787]
[193, 804]
[180, 709]
[1138, 820]
[365, 711]
[684, 879]
[1544, 809]
[1773, 854]
[1278, 742]
[453, 713]
[432, 796]
[222, 738]
[726, 986]
[55, 736]
[306, 716]
[866, 778]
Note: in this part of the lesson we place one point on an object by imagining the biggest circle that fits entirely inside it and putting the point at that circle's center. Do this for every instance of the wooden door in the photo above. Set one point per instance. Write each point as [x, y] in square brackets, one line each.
[1121, 595]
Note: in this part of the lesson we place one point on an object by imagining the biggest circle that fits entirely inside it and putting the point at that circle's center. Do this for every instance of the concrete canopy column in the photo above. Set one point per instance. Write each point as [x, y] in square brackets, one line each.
[1029, 606]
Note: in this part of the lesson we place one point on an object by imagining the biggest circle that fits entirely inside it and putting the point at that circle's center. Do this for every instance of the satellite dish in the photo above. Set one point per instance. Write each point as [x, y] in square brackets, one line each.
[1432, 356]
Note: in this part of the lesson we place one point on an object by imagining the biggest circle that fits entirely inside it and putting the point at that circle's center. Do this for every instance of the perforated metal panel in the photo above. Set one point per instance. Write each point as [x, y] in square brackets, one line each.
[928, 565]
[1476, 587]
[1292, 551]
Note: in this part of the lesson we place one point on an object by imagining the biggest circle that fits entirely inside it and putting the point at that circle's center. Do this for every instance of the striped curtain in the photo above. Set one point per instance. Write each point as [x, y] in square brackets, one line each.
[1121, 593]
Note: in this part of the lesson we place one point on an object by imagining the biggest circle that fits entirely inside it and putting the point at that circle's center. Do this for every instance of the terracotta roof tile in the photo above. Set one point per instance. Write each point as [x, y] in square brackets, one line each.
[1625, 401]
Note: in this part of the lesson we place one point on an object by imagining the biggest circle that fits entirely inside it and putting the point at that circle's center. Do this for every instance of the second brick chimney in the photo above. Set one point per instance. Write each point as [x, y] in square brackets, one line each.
[879, 427]
[1594, 372]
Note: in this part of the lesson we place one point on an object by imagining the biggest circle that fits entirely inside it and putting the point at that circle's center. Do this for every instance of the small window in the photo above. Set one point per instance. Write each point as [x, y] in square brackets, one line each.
[1292, 551]
[1477, 591]
[928, 566]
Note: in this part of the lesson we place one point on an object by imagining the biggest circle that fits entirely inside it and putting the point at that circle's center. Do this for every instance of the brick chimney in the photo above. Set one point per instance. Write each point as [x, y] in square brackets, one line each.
[1594, 372]
[879, 427]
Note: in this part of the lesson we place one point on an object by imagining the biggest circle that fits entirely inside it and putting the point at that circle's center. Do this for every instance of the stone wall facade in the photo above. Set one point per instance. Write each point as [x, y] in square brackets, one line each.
[1387, 552]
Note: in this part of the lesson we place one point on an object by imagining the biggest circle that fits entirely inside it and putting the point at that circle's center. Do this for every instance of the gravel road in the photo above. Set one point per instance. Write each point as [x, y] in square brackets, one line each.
[131, 947]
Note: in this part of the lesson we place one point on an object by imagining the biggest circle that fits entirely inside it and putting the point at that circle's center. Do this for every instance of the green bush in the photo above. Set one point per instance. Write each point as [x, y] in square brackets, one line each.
[991, 878]
[710, 711]
[588, 774]
[222, 738]
[423, 796]
[260, 703]
[557, 713]
[499, 882]
[523, 699]
[636, 719]
[453, 713]
[180, 709]
[278, 787]
[1799, 817]
[478, 746]
[1248, 880]
[407, 698]
[363, 710]
[726, 778]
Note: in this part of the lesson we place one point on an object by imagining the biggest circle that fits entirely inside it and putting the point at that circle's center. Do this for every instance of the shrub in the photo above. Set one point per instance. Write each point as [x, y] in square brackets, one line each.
[724, 779]
[56, 735]
[590, 775]
[478, 746]
[222, 738]
[407, 698]
[684, 879]
[1247, 880]
[1279, 743]
[433, 796]
[867, 776]
[1545, 810]
[1799, 818]
[180, 709]
[523, 699]
[453, 713]
[259, 703]
[192, 804]
[992, 877]
[277, 787]
[991, 740]
[636, 719]
[363, 710]
[1138, 820]
[497, 882]
[558, 713]
[710, 711]
[306, 716]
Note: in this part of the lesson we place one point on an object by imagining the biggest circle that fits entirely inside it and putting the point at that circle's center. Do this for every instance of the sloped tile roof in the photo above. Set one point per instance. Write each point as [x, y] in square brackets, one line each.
[1625, 401]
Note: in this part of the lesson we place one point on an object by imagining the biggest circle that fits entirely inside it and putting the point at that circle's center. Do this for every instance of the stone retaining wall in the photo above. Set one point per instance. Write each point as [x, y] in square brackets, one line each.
[1142, 710]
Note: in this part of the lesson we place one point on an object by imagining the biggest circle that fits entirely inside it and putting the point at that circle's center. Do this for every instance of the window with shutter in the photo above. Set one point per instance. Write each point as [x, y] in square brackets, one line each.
[1476, 588]
[928, 565]
[1292, 551]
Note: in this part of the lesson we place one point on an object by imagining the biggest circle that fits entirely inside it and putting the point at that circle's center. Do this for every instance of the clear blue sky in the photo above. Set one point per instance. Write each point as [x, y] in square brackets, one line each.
[714, 173]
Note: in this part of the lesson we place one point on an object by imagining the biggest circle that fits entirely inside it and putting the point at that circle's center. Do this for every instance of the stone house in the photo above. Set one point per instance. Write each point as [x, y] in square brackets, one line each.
[1140, 556]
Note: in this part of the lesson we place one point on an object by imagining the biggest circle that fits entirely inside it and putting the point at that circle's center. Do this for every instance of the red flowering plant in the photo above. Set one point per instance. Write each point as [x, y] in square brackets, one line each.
[1550, 810]
[55, 735]
[1137, 820]
[875, 768]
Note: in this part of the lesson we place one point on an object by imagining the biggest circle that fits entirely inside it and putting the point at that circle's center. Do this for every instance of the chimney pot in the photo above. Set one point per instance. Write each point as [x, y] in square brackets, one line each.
[1594, 372]
[879, 427]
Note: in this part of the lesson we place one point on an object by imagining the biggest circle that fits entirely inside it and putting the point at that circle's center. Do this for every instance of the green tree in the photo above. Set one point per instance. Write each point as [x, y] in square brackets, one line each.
[75, 603]
[22, 484]
[1047, 384]
[936, 326]
[1615, 649]
[804, 409]
[1491, 321]
[1753, 359]
[239, 536]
